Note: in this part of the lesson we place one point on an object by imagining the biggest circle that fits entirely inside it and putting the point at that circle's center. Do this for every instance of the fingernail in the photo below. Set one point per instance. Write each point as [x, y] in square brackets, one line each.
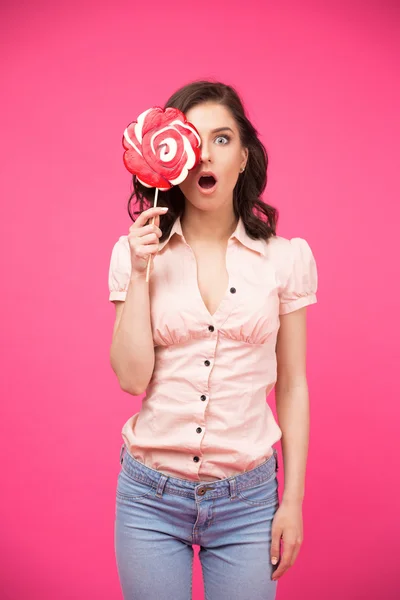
[164, 207]
[274, 560]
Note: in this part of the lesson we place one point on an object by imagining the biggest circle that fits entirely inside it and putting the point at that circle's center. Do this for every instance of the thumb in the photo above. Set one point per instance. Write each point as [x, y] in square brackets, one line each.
[275, 547]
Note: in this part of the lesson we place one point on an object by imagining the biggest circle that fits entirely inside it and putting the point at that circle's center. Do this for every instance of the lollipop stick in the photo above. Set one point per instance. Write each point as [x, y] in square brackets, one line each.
[152, 223]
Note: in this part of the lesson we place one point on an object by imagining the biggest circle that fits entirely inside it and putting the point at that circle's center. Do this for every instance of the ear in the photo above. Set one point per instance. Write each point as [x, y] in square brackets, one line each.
[245, 156]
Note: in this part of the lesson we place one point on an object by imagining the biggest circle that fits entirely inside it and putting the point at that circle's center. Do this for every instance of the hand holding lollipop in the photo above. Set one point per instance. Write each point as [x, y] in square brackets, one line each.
[161, 147]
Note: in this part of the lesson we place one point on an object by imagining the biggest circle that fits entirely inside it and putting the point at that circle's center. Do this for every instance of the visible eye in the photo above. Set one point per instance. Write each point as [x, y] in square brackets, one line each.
[225, 140]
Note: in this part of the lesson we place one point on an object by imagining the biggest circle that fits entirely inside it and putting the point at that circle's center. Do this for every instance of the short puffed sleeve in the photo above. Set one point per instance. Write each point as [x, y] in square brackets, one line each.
[300, 278]
[120, 269]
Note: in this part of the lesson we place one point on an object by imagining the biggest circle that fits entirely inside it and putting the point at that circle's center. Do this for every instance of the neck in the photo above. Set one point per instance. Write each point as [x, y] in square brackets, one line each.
[208, 227]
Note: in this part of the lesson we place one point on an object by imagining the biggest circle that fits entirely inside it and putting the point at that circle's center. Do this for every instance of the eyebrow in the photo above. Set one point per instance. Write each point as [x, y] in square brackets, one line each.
[219, 129]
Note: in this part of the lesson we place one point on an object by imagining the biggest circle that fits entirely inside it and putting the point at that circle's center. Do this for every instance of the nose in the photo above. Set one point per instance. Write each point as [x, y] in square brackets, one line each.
[205, 153]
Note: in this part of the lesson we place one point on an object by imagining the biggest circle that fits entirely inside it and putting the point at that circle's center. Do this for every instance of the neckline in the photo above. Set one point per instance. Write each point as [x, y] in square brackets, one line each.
[215, 314]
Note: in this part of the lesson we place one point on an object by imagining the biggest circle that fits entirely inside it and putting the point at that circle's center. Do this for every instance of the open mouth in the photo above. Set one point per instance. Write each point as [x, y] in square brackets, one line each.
[207, 182]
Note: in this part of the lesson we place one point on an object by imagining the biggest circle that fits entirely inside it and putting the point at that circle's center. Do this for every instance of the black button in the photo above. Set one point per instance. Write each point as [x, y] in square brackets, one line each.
[211, 328]
[207, 363]
[199, 430]
[233, 290]
[196, 458]
[203, 397]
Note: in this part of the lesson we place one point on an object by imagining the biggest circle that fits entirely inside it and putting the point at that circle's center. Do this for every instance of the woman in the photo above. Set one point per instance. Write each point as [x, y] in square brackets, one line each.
[220, 323]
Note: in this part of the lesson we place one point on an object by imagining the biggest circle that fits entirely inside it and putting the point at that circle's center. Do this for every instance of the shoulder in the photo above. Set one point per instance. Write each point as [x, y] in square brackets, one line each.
[122, 242]
[290, 255]
[281, 250]
[119, 269]
[120, 251]
[286, 249]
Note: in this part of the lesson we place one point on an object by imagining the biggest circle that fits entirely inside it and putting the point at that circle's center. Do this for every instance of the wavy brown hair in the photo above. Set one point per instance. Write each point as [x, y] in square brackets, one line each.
[259, 218]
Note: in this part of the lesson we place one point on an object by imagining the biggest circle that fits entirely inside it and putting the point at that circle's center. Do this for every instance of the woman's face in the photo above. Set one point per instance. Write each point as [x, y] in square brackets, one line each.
[222, 157]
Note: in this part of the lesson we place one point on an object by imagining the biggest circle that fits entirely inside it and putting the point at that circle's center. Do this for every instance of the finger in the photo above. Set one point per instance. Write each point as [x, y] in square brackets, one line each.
[288, 549]
[295, 553]
[144, 251]
[149, 238]
[149, 214]
[147, 230]
[275, 547]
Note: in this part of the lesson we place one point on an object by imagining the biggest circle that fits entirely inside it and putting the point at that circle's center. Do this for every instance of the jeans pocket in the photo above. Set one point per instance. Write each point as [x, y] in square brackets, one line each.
[129, 488]
[276, 460]
[261, 494]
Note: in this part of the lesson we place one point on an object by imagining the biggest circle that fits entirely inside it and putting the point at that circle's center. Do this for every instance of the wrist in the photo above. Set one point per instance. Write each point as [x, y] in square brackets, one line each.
[135, 276]
[290, 500]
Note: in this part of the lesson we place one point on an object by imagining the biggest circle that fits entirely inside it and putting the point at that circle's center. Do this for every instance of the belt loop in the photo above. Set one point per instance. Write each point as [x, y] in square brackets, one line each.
[232, 488]
[121, 453]
[161, 485]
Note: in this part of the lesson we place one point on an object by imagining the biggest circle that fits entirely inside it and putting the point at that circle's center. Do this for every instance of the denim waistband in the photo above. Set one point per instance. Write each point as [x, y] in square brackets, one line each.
[185, 487]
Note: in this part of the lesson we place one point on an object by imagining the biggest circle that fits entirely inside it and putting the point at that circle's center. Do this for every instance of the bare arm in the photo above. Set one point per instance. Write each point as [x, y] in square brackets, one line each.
[292, 402]
[132, 348]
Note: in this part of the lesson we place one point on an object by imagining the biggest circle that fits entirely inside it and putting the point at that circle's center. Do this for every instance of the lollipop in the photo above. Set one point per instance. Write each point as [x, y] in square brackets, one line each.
[161, 147]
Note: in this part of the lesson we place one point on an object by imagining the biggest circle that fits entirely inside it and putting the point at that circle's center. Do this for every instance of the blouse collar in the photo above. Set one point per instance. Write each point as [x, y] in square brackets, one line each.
[239, 233]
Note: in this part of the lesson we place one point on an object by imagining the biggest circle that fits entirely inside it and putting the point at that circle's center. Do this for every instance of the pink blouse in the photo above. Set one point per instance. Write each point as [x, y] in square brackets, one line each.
[205, 416]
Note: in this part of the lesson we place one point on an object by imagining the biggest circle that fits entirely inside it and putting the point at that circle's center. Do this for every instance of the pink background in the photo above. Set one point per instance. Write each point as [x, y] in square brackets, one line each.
[321, 84]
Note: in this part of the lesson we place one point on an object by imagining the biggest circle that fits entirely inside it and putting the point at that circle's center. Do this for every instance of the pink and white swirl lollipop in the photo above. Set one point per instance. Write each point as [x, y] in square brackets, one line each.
[161, 147]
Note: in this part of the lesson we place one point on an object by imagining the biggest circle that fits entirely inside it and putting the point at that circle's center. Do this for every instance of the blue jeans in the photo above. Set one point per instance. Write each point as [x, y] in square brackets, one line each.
[158, 518]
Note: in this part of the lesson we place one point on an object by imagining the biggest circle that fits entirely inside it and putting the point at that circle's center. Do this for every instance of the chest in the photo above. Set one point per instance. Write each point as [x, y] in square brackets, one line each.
[232, 288]
[212, 275]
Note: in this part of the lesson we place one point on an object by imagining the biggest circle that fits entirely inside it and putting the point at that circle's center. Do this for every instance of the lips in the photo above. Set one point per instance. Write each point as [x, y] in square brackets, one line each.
[207, 182]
